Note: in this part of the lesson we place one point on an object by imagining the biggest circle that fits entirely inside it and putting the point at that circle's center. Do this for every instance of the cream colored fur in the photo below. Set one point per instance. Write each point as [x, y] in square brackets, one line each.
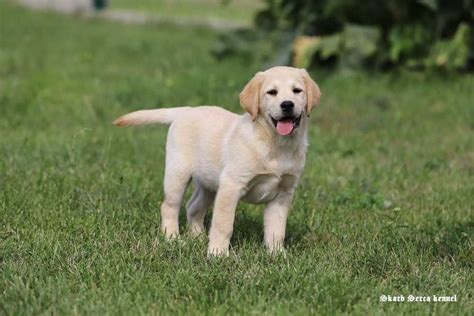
[232, 157]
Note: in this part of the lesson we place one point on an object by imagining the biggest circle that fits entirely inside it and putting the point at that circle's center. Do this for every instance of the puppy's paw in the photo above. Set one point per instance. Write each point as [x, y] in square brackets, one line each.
[171, 234]
[213, 252]
[276, 250]
[195, 231]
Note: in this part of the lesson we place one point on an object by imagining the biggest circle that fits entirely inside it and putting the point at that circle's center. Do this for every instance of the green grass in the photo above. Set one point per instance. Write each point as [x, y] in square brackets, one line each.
[241, 11]
[385, 205]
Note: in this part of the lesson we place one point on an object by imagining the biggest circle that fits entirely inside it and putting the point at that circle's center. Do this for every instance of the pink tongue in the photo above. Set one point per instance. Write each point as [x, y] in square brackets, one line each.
[285, 126]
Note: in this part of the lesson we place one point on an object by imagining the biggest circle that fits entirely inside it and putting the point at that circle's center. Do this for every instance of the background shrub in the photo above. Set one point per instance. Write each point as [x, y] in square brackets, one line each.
[351, 33]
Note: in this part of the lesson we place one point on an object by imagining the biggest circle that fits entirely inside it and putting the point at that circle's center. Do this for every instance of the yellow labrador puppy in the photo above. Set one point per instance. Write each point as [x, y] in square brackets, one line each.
[257, 157]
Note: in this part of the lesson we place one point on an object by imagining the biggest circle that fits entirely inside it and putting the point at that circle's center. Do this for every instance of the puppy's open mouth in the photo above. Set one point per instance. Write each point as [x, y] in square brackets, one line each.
[286, 125]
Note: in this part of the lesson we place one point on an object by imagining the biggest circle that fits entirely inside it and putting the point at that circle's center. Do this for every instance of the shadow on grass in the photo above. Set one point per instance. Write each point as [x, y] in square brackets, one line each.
[249, 228]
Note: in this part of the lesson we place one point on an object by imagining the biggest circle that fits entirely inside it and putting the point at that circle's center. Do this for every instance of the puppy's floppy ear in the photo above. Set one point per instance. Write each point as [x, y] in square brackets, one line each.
[313, 94]
[250, 95]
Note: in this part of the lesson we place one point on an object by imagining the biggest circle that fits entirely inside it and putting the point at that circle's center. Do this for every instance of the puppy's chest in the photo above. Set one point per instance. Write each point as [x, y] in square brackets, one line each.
[264, 187]
[283, 163]
[275, 177]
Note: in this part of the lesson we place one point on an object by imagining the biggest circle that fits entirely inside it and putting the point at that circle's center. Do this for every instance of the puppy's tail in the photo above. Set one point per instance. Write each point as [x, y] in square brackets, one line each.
[144, 117]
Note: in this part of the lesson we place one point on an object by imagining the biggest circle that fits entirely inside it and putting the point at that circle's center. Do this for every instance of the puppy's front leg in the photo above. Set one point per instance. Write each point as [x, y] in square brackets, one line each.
[274, 218]
[227, 198]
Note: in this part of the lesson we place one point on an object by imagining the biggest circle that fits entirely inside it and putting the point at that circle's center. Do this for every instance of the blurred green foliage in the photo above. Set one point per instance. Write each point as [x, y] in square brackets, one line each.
[350, 33]
[99, 4]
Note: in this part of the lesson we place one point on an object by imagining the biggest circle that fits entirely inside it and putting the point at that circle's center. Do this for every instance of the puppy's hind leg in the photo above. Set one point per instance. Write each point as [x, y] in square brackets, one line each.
[196, 209]
[175, 184]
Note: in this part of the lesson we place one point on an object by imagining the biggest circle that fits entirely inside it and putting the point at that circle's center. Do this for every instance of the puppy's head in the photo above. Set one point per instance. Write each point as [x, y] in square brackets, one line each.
[282, 96]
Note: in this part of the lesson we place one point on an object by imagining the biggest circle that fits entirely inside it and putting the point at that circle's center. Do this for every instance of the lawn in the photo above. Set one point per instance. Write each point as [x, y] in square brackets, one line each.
[385, 205]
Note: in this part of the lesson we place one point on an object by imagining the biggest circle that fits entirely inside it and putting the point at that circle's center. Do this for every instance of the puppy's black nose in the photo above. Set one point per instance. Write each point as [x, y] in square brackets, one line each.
[287, 106]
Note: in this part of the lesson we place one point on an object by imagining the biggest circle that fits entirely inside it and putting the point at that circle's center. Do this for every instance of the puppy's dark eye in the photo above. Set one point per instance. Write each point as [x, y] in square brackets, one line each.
[297, 90]
[272, 92]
